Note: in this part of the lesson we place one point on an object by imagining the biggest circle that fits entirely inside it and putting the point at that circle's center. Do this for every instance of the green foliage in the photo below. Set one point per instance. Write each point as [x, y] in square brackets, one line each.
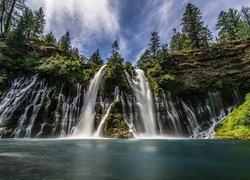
[164, 51]
[219, 84]
[245, 11]
[144, 60]
[39, 22]
[29, 63]
[95, 60]
[231, 26]
[155, 69]
[49, 38]
[115, 126]
[115, 48]
[193, 27]
[115, 74]
[64, 42]
[154, 44]
[153, 85]
[176, 43]
[128, 66]
[10, 13]
[88, 74]
[237, 124]
[61, 68]
[3, 79]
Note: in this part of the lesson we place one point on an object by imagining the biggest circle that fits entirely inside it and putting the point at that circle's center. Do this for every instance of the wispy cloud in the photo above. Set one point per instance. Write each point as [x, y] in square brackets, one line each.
[89, 21]
[97, 23]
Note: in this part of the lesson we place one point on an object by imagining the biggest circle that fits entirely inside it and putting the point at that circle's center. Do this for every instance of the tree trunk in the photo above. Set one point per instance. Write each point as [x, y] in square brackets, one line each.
[9, 17]
[2, 17]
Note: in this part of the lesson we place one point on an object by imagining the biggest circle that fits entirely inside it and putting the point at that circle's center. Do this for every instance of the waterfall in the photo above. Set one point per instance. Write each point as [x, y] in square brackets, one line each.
[86, 123]
[144, 100]
[129, 113]
[20, 88]
[34, 104]
[70, 111]
[217, 112]
[98, 132]
[172, 113]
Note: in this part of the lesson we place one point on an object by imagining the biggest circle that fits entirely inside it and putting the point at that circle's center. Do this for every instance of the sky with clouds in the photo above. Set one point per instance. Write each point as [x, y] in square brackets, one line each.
[97, 23]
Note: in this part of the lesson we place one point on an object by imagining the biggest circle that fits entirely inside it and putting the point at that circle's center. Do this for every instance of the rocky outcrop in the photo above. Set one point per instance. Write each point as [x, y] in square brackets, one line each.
[115, 126]
[223, 65]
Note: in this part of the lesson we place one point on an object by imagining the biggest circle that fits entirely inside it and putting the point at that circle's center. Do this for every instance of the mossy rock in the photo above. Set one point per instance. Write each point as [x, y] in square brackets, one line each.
[237, 124]
[115, 126]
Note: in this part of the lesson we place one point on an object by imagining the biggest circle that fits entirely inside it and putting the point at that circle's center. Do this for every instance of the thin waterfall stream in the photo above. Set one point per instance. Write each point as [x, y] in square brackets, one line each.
[98, 132]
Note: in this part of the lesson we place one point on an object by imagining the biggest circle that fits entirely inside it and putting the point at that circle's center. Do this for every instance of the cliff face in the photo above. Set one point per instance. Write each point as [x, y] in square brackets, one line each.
[52, 109]
[216, 67]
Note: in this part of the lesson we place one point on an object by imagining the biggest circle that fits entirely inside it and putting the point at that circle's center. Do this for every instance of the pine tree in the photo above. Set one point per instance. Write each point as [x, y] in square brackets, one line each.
[28, 22]
[193, 27]
[176, 43]
[95, 59]
[50, 38]
[115, 75]
[154, 44]
[230, 25]
[164, 51]
[64, 42]
[10, 13]
[205, 37]
[115, 48]
[39, 22]
[144, 59]
[245, 11]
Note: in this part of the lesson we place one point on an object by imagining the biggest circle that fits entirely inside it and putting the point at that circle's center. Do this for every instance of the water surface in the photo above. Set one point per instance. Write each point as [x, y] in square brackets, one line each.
[124, 159]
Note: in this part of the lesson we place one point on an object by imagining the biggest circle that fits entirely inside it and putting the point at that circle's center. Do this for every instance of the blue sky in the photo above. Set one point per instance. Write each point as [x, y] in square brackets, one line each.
[97, 23]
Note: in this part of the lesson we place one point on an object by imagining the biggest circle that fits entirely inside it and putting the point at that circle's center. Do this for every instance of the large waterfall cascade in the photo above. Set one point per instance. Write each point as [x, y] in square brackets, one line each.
[85, 127]
[31, 109]
[145, 102]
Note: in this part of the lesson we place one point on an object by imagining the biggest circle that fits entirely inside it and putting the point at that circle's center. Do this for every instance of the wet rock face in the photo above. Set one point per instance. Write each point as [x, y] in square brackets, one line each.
[115, 126]
[229, 64]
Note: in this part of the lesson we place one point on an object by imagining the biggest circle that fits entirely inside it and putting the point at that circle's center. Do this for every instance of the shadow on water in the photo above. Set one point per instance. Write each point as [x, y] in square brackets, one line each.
[124, 159]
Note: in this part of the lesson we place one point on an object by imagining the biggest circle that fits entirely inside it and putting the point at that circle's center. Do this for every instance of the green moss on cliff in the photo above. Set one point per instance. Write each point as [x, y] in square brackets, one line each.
[115, 126]
[237, 124]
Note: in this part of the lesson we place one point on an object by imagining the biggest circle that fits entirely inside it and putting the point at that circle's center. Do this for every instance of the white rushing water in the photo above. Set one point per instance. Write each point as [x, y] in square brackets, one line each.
[144, 99]
[85, 127]
[12, 99]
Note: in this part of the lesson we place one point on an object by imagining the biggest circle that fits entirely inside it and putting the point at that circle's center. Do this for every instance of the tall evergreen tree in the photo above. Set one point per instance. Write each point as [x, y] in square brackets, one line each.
[193, 27]
[64, 42]
[230, 25]
[115, 75]
[39, 22]
[95, 59]
[205, 36]
[144, 59]
[10, 13]
[154, 44]
[28, 22]
[245, 11]
[50, 38]
[176, 43]
[115, 47]
[164, 51]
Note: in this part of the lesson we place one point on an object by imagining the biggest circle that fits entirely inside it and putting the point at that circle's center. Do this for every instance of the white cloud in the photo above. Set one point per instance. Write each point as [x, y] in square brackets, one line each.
[87, 20]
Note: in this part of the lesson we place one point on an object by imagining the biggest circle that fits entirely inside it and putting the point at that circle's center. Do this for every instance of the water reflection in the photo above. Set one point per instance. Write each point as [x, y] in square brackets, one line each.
[124, 159]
